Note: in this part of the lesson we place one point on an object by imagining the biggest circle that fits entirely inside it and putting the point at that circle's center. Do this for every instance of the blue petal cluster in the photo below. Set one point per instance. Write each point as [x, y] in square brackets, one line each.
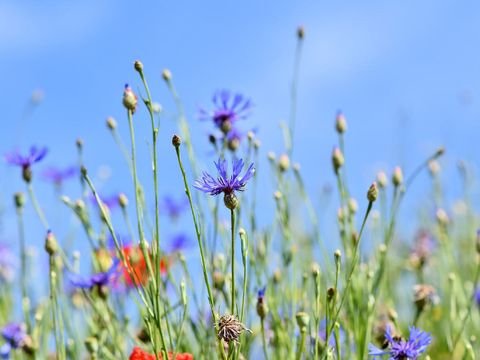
[229, 107]
[399, 349]
[224, 183]
[35, 155]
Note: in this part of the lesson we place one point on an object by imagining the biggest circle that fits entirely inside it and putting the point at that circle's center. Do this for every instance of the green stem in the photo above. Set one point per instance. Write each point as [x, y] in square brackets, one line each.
[264, 339]
[301, 347]
[37, 207]
[23, 268]
[56, 316]
[232, 222]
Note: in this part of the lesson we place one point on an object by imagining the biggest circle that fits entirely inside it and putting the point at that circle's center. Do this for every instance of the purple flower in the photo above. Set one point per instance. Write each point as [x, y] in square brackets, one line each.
[14, 335]
[26, 162]
[35, 155]
[223, 183]
[399, 349]
[178, 242]
[173, 207]
[58, 176]
[96, 280]
[229, 107]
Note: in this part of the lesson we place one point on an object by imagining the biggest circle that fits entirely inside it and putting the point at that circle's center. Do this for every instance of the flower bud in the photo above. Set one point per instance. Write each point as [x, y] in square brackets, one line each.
[176, 141]
[218, 280]
[283, 162]
[138, 66]
[111, 123]
[79, 143]
[372, 192]
[382, 180]
[230, 201]
[337, 159]
[262, 308]
[433, 167]
[122, 200]
[271, 156]
[27, 174]
[337, 255]
[397, 177]
[315, 270]
[277, 276]
[442, 217]
[19, 200]
[257, 144]
[51, 246]
[303, 319]
[352, 206]
[300, 32]
[130, 100]
[340, 123]
[166, 75]
[331, 292]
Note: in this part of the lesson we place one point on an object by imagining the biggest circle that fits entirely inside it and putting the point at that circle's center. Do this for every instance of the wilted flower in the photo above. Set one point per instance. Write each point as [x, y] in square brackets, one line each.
[140, 354]
[15, 337]
[25, 162]
[58, 176]
[400, 349]
[424, 295]
[229, 108]
[223, 183]
[230, 329]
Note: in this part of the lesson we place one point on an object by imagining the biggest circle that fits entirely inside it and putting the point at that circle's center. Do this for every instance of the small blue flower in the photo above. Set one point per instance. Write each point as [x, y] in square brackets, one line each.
[229, 107]
[178, 242]
[58, 176]
[34, 156]
[14, 335]
[96, 280]
[261, 294]
[399, 349]
[223, 183]
[173, 207]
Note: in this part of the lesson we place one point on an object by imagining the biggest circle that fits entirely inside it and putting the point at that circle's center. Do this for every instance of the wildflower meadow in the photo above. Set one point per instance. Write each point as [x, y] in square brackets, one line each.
[199, 241]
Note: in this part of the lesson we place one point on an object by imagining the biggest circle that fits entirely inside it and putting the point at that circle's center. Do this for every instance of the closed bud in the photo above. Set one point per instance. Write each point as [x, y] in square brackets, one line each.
[331, 292]
[111, 123]
[257, 144]
[122, 200]
[315, 270]
[440, 151]
[129, 100]
[271, 156]
[352, 206]
[340, 123]
[283, 162]
[183, 292]
[442, 217]
[433, 167]
[176, 141]
[372, 193]
[218, 280]
[303, 319]
[397, 177]
[138, 66]
[477, 245]
[19, 200]
[300, 32]
[166, 75]
[277, 195]
[337, 255]
[337, 159]
[51, 246]
[27, 174]
[79, 143]
[230, 201]
[382, 180]
[277, 276]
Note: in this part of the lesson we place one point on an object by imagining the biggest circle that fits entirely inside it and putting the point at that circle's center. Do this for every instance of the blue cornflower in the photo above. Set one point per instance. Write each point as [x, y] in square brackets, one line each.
[58, 176]
[229, 107]
[173, 207]
[15, 336]
[400, 349]
[178, 242]
[26, 162]
[224, 184]
[262, 309]
[101, 279]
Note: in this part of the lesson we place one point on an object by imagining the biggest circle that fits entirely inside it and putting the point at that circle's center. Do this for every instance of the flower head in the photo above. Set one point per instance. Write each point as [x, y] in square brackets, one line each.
[101, 279]
[15, 337]
[140, 354]
[400, 349]
[225, 184]
[174, 207]
[25, 162]
[229, 107]
[58, 176]
[262, 308]
[230, 329]
[129, 100]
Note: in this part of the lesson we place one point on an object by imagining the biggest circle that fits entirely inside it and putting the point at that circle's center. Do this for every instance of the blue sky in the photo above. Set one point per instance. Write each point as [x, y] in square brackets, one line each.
[404, 73]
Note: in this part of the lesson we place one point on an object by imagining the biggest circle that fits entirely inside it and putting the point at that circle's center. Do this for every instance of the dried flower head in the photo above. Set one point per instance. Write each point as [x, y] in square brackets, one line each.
[424, 295]
[230, 329]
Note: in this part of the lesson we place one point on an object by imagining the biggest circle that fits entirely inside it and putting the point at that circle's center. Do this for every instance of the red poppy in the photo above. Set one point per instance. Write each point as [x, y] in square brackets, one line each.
[136, 271]
[140, 354]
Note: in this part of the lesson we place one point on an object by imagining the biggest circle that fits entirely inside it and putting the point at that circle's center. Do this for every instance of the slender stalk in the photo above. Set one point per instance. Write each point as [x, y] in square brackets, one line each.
[232, 222]
[56, 316]
[264, 339]
[301, 346]
[23, 268]
[37, 207]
